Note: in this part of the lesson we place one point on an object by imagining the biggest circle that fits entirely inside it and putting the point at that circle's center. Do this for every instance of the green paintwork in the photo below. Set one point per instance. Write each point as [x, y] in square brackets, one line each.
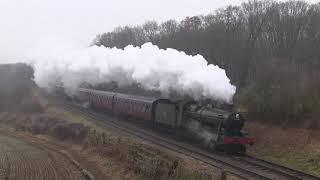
[166, 114]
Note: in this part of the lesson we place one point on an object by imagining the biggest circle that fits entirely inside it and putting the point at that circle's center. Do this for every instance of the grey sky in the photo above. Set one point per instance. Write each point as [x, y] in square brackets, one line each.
[24, 23]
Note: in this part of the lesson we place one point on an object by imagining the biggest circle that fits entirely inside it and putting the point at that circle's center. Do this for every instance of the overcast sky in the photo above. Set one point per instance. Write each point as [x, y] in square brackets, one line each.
[26, 23]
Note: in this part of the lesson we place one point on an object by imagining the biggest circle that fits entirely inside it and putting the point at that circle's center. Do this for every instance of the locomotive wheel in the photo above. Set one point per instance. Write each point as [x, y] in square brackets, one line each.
[210, 146]
[213, 147]
[242, 150]
[206, 146]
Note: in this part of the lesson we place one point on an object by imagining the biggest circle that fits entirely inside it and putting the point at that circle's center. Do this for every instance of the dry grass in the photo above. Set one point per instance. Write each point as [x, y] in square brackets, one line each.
[298, 148]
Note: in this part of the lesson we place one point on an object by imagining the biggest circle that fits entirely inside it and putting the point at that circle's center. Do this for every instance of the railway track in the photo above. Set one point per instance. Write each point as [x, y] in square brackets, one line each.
[246, 167]
[283, 169]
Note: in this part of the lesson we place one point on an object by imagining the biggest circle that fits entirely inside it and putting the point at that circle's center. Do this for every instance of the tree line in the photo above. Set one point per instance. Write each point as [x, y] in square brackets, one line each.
[270, 51]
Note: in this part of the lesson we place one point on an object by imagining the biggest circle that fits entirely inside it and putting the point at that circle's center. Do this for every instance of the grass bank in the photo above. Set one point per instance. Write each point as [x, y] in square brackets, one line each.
[298, 148]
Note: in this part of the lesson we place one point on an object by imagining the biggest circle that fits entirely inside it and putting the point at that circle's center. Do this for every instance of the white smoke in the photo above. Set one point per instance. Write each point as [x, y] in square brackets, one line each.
[153, 68]
[206, 135]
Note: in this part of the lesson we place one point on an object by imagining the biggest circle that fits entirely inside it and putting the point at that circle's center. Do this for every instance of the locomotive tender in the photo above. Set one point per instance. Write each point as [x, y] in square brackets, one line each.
[222, 128]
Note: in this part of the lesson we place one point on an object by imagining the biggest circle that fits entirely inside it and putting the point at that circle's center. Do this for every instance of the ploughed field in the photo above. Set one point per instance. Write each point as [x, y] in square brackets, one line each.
[21, 160]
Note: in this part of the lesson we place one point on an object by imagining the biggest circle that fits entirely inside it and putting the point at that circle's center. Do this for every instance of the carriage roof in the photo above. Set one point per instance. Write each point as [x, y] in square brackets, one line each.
[120, 95]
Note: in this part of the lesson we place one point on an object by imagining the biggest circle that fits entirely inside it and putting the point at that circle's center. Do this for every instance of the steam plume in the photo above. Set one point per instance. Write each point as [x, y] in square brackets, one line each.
[153, 68]
[206, 136]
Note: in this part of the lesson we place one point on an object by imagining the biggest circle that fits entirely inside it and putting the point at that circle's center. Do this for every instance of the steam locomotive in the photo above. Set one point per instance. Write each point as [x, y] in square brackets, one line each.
[218, 129]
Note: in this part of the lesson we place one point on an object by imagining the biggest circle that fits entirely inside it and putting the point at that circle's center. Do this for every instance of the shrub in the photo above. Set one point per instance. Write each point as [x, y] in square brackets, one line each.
[16, 84]
[30, 105]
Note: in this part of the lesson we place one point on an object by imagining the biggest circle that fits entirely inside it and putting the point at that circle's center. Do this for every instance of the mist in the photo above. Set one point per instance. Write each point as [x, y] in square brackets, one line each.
[26, 23]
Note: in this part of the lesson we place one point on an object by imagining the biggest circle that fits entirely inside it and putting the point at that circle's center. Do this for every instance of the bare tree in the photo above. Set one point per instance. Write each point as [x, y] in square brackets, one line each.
[150, 29]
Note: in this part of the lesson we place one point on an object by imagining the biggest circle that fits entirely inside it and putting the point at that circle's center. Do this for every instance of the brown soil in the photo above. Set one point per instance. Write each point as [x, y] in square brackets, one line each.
[22, 159]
